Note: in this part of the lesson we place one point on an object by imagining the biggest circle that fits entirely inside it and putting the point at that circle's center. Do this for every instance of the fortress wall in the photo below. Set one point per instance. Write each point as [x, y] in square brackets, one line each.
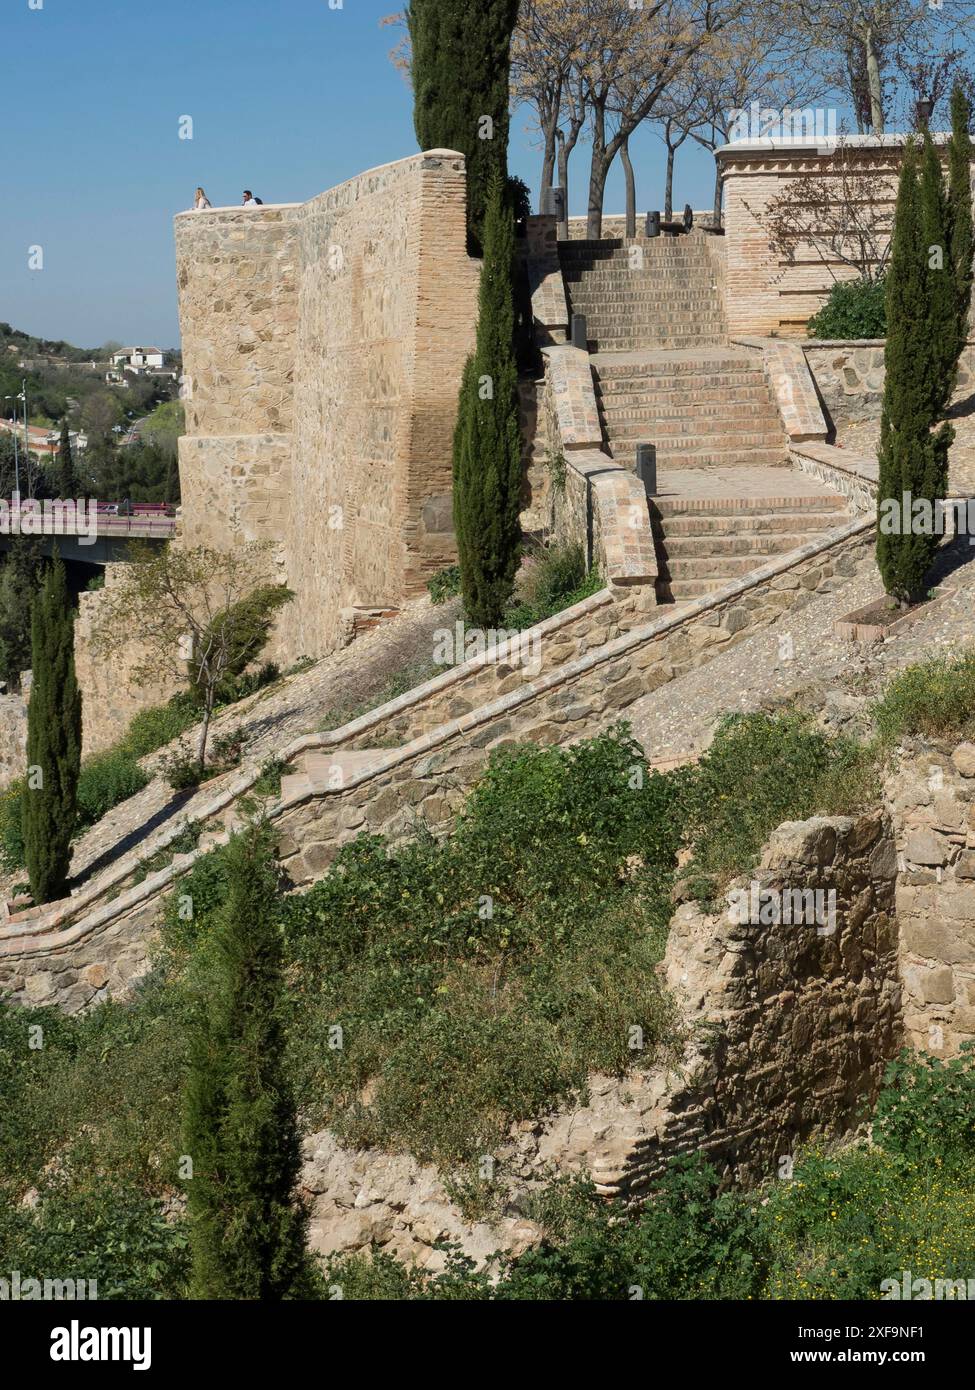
[323, 348]
[236, 269]
[386, 316]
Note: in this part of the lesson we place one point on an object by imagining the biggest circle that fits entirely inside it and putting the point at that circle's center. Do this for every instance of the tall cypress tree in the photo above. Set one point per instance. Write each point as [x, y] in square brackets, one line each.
[66, 481]
[924, 342]
[487, 440]
[49, 803]
[960, 197]
[460, 64]
[247, 1230]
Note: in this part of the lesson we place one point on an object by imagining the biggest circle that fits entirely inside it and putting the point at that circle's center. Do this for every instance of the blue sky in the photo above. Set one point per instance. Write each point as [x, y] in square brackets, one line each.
[287, 97]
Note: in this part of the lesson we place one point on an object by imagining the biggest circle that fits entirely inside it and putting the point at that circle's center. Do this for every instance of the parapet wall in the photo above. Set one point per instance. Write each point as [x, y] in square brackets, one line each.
[771, 292]
[323, 347]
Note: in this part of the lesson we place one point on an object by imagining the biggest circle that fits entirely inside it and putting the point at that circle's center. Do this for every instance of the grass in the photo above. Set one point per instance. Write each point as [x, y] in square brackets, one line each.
[932, 699]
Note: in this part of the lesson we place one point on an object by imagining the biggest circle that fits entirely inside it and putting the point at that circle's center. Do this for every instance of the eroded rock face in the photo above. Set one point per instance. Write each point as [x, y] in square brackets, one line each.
[788, 1025]
[931, 796]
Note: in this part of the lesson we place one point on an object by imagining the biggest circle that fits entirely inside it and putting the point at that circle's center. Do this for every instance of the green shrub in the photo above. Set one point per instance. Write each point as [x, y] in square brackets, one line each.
[761, 770]
[557, 579]
[479, 978]
[183, 772]
[932, 698]
[927, 1108]
[107, 779]
[445, 584]
[854, 309]
[101, 1230]
[846, 1222]
[153, 728]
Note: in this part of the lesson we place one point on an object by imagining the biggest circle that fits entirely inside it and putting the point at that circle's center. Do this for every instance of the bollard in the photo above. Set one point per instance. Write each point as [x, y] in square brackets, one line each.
[646, 467]
[578, 336]
[653, 224]
[553, 203]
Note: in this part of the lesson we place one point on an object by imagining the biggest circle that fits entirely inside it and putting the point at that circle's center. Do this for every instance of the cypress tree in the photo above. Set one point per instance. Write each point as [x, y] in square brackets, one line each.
[247, 1230]
[960, 197]
[49, 803]
[66, 482]
[487, 441]
[943, 346]
[459, 66]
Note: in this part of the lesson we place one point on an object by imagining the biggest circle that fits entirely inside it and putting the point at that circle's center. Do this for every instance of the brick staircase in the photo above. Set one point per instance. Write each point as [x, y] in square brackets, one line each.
[705, 542]
[658, 292]
[700, 407]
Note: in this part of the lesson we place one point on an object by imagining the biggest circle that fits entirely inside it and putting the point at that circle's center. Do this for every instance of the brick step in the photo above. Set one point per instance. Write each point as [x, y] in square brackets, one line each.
[705, 508]
[710, 529]
[712, 458]
[639, 289]
[716, 386]
[687, 590]
[691, 434]
[728, 407]
[723, 545]
[636, 405]
[694, 261]
[723, 567]
[691, 437]
[663, 368]
[600, 327]
[655, 342]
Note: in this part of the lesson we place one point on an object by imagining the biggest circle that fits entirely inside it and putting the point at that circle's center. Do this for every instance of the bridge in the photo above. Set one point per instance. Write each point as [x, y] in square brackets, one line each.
[83, 530]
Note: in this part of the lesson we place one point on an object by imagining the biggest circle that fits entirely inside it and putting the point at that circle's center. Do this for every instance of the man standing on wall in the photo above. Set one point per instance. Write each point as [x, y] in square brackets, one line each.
[250, 201]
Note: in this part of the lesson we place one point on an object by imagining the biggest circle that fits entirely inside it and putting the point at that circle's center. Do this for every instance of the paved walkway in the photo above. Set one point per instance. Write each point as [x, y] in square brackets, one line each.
[827, 674]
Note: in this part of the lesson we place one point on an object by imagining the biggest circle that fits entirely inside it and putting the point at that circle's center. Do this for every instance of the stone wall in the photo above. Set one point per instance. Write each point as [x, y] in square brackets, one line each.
[323, 345]
[13, 737]
[850, 377]
[109, 695]
[931, 797]
[424, 781]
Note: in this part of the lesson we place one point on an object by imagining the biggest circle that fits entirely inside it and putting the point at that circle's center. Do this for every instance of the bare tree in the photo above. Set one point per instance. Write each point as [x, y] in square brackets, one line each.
[845, 218]
[855, 44]
[201, 614]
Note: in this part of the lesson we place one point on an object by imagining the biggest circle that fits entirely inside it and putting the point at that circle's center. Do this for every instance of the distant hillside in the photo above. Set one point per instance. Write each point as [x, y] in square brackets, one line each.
[29, 346]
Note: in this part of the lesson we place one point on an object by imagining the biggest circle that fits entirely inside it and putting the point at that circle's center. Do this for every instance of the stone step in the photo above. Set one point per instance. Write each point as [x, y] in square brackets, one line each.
[686, 590]
[679, 436]
[332, 771]
[713, 527]
[660, 366]
[295, 784]
[644, 343]
[713, 458]
[667, 418]
[779, 504]
[722, 545]
[712, 567]
[707, 400]
[707, 386]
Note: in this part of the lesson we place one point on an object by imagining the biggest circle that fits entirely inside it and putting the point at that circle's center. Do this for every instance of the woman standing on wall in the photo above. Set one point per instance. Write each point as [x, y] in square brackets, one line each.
[202, 201]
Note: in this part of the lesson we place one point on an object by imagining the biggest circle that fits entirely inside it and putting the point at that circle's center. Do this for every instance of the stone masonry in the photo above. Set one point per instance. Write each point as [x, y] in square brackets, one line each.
[323, 344]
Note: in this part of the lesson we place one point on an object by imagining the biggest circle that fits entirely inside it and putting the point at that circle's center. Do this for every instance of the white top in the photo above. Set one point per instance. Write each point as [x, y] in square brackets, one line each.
[251, 203]
[201, 203]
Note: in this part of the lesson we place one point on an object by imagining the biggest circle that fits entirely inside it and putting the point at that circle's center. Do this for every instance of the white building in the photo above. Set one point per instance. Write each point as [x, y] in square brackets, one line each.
[137, 359]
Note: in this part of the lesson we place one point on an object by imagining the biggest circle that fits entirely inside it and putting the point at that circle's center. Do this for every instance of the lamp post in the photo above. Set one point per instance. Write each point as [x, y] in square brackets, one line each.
[16, 451]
